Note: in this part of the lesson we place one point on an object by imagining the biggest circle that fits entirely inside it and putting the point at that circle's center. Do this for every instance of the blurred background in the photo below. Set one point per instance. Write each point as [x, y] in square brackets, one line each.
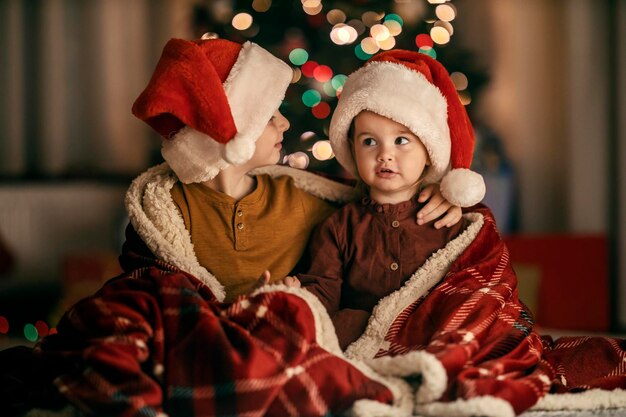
[544, 83]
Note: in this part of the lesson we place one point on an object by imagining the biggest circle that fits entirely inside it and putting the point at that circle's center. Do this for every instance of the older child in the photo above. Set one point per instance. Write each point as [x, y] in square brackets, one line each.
[398, 125]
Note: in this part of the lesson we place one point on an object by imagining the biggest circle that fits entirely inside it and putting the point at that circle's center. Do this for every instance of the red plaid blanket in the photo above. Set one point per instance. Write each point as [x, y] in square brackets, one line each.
[156, 341]
[458, 330]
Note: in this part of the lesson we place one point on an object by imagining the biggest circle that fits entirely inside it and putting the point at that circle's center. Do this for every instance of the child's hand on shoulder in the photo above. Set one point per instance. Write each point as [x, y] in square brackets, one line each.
[437, 205]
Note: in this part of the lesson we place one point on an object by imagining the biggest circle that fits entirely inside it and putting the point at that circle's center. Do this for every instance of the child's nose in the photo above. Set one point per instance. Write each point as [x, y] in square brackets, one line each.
[283, 123]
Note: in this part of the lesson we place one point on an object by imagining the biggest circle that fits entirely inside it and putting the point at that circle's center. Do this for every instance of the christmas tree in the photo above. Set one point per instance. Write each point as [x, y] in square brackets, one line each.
[324, 41]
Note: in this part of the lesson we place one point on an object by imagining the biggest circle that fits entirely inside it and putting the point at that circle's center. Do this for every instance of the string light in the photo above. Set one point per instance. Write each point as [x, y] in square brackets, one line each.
[4, 325]
[371, 18]
[311, 98]
[298, 160]
[361, 54]
[297, 74]
[30, 332]
[439, 35]
[321, 111]
[322, 73]
[427, 50]
[322, 151]
[308, 68]
[424, 40]
[460, 80]
[387, 44]
[379, 32]
[307, 135]
[446, 12]
[298, 56]
[261, 5]
[394, 27]
[242, 21]
[335, 16]
[369, 46]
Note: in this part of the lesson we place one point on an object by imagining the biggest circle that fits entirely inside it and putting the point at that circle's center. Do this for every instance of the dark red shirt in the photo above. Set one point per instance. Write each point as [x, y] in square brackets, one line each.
[364, 252]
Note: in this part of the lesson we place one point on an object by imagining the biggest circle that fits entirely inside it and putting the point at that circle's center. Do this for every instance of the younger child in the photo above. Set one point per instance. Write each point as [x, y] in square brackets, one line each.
[398, 125]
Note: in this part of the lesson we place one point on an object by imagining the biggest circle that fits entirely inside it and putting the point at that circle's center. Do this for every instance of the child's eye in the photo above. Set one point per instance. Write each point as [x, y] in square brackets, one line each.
[401, 140]
[369, 141]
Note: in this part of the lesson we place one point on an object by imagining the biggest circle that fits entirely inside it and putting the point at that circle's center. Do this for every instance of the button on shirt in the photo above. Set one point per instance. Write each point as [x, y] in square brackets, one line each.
[366, 251]
[238, 240]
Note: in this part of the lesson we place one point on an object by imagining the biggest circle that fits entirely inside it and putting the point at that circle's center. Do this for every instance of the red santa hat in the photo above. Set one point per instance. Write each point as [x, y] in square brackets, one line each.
[416, 91]
[211, 99]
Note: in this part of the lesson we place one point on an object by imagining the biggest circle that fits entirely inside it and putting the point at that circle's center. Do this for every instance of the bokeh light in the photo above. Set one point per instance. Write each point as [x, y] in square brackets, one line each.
[42, 328]
[343, 34]
[311, 98]
[439, 35]
[338, 80]
[437, 1]
[335, 16]
[387, 44]
[261, 5]
[446, 25]
[307, 135]
[446, 12]
[321, 111]
[322, 151]
[322, 73]
[394, 17]
[424, 40]
[297, 74]
[379, 32]
[371, 18]
[360, 53]
[4, 325]
[427, 50]
[242, 21]
[312, 10]
[329, 89]
[465, 97]
[369, 46]
[357, 25]
[308, 68]
[298, 160]
[298, 56]
[460, 80]
[30, 332]
[394, 27]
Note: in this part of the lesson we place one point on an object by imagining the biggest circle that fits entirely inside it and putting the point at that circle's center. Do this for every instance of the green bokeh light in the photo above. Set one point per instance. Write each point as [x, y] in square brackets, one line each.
[393, 16]
[329, 89]
[338, 81]
[361, 54]
[428, 51]
[311, 98]
[30, 332]
[298, 56]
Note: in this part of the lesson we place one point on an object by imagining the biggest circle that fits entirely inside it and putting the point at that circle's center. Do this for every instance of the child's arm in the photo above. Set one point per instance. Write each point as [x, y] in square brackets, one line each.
[436, 207]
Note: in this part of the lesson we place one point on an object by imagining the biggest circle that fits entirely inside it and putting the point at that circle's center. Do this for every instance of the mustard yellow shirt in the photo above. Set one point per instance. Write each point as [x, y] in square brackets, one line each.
[237, 240]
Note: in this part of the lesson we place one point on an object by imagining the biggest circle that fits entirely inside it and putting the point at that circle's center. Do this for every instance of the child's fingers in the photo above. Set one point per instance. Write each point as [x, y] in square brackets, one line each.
[426, 193]
[435, 207]
[292, 282]
[264, 279]
[451, 218]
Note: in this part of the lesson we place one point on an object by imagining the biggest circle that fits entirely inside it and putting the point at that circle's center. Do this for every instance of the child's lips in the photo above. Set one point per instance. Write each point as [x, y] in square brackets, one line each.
[279, 145]
[385, 173]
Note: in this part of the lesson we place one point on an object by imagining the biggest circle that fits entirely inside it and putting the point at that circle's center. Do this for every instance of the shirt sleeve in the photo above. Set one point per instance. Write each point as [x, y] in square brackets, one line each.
[326, 266]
